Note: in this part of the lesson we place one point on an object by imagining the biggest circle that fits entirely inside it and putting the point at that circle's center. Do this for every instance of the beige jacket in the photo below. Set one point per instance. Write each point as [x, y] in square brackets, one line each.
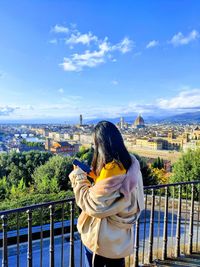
[109, 210]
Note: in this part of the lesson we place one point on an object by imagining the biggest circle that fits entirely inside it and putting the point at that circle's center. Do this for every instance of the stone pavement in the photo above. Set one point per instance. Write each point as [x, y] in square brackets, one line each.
[186, 261]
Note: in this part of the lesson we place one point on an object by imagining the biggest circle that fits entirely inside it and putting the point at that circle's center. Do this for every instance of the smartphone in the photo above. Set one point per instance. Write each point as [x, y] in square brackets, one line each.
[82, 166]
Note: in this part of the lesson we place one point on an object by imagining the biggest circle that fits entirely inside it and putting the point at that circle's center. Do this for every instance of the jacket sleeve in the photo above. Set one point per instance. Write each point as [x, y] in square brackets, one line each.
[91, 205]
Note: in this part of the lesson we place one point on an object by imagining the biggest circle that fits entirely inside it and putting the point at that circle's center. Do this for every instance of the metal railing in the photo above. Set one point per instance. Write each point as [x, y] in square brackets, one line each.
[168, 227]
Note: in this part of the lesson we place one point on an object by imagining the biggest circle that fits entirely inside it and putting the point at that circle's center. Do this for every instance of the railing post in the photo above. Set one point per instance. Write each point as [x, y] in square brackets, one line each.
[71, 263]
[5, 247]
[51, 247]
[165, 239]
[151, 227]
[136, 247]
[178, 226]
[81, 255]
[41, 238]
[190, 246]
[29, 252]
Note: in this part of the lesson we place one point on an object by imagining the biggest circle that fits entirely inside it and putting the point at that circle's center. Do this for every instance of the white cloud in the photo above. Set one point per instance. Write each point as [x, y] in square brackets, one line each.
[53, 41]
[72, 100]
[185, 101]
[68, 65]
[84, 39]
[61, 107]
[124, 46]
[137, 54]
[189, 99]
[179, 39]
[2, 74]
[60, 29]
[96, 57]
[114, 82]
[101, 50]
[88, 59]
[61, 90]
[152, 44]
[7, 110]
[73, 105]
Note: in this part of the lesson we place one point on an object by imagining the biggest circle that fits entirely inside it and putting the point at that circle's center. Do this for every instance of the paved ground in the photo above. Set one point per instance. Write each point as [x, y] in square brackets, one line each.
[187, 261]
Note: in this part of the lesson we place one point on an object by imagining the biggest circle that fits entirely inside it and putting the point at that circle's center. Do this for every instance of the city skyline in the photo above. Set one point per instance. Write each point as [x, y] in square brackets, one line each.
[99, 59]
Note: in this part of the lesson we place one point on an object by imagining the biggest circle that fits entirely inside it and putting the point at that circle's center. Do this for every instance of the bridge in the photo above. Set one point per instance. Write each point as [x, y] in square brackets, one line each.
[167, 233]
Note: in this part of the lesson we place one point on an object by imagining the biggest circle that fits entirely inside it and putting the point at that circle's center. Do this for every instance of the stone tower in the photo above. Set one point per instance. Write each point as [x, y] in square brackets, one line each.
[81, 120]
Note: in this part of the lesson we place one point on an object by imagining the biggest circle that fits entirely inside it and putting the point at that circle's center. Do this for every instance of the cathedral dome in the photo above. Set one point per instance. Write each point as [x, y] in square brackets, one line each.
[139, 121]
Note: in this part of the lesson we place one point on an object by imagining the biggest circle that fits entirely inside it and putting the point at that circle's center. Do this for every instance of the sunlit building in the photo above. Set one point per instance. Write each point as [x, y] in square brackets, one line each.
[139, 122]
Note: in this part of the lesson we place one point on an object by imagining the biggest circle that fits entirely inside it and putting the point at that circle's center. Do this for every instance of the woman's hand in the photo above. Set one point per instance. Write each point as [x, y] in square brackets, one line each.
[75, 167]
[92, 175]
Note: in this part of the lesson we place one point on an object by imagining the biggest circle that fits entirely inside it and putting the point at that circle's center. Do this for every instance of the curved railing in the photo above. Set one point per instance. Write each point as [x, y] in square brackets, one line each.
[169, 226]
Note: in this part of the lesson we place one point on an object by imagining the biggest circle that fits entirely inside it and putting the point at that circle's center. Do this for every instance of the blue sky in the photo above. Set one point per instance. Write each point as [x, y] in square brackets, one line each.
[59, 59]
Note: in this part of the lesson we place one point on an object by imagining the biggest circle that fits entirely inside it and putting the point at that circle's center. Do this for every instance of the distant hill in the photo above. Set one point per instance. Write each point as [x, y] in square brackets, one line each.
[129, 119]
[190, 117]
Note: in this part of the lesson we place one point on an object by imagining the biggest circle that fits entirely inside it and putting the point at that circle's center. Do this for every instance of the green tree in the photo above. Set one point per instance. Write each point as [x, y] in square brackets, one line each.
[148, 177]
[158, 163]
[161, 175]
[187, 168]
[87, 156]
[35, 198]
[32, 144]
[18, 191]
[3, 188]
[53, 175]
[15, 175]
[16, 166]
[81, 152]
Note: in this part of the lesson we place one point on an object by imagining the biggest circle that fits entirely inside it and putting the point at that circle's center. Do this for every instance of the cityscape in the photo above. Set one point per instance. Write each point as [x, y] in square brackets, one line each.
[152, 140]
[65, 66]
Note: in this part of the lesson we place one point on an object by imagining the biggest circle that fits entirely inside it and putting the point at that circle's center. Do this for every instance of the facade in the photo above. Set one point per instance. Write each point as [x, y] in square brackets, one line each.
[68, 136]
[81, 120]
[150, 143]
[86, 139]
[63, 147]
[121, 123]
[196, 133]
[139, 122]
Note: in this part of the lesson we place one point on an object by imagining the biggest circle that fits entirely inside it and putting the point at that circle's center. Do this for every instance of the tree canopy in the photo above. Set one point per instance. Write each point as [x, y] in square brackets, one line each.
[53, 175]
[187, 168]
[16, 166]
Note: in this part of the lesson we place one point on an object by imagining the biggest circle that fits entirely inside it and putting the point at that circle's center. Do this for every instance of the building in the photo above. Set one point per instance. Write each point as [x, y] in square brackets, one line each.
[121, 123]
[86, 139]
[48, 144]
[149, 143]
[63, 148]
[196, 133]
[68, 136]
[139, 122]
[76, 136]
[81, 120]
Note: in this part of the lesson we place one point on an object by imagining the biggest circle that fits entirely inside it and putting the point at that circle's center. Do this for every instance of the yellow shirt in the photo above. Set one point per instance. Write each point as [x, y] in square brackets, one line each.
[109, 170]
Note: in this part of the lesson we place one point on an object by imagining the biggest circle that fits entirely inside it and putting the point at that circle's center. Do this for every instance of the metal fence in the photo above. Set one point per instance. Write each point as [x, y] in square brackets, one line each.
[168, 227]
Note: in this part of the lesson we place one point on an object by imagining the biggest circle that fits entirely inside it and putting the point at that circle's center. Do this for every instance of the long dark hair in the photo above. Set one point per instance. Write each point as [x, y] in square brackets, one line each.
[109, 146]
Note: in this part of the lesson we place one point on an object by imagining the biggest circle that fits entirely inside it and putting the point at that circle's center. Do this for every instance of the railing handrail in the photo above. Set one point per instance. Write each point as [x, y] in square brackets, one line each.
[178, 214]
[45, 204]
[168, 185]
[36, 206]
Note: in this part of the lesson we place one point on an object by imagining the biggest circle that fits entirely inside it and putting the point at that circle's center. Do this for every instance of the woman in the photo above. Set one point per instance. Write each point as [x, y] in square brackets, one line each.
[112, 204]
